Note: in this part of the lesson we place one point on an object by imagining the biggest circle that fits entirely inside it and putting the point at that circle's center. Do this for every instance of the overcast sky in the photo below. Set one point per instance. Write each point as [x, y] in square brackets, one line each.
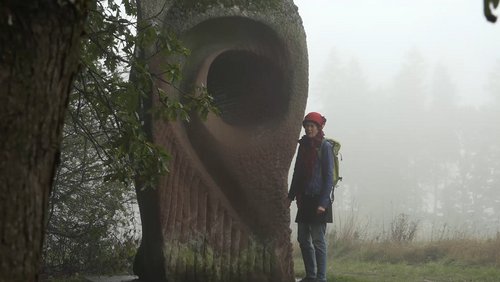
[380, 33]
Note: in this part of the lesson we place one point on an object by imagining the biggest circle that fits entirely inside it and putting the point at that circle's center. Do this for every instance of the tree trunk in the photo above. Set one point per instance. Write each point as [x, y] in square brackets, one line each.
[39, 48]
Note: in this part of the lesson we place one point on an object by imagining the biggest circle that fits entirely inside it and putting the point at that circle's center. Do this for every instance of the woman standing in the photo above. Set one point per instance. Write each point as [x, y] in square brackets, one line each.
[312, 185]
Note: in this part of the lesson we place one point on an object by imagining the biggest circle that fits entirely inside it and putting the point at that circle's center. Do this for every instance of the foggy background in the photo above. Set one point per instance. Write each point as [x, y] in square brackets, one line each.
[411, 91]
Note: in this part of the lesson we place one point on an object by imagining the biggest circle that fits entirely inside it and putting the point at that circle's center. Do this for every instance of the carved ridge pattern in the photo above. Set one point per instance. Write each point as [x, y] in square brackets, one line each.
[203, 241]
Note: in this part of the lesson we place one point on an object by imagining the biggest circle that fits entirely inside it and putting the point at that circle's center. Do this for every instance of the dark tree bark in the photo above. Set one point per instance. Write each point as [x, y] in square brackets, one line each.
[39, 48]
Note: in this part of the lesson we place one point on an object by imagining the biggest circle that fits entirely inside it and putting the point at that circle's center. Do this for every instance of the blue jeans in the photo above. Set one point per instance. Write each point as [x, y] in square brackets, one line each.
[312, 241]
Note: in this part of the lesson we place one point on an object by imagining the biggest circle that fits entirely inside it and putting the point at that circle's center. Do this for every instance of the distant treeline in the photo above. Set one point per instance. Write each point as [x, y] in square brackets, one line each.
[412, 147]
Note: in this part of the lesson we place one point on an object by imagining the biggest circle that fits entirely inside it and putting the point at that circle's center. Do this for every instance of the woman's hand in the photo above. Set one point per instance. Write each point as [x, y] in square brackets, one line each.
[320, 210]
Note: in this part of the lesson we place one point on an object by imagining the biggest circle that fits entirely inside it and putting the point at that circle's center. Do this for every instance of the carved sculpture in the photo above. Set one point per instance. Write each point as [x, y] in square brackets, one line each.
[220, 214]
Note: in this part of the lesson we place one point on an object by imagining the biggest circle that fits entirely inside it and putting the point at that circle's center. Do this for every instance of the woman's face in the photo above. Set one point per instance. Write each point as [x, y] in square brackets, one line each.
[311, 129]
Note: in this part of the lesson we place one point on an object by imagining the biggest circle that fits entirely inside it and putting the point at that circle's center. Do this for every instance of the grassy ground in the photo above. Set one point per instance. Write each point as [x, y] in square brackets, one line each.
[397, 256]
[450, 259]
[350, 270]
[342, 270]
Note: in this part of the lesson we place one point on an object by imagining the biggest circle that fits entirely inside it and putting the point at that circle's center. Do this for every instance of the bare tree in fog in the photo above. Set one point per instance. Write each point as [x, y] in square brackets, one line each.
[441, 141]
[474, 196]
[410, 147]
[407, 108]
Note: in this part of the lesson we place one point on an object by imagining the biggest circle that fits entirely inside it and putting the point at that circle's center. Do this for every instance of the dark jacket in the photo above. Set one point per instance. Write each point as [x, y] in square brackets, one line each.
[317, 190]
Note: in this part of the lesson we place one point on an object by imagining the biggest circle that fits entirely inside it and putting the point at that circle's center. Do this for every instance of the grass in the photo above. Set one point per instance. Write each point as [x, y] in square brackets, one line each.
[348, 270]
[432, 271]
[396, 255]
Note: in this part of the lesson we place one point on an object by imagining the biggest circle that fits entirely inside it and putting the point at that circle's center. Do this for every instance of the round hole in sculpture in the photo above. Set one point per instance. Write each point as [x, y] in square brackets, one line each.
[247, 87]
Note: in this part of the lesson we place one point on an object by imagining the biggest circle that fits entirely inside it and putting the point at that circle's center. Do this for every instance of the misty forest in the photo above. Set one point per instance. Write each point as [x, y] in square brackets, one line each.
[411, 147]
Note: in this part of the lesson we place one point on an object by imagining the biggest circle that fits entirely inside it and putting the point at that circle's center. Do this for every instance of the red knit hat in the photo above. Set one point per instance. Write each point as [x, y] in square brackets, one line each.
[316, 118]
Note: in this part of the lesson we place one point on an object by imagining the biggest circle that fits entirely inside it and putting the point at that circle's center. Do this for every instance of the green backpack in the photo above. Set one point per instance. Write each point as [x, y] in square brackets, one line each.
[335, 149]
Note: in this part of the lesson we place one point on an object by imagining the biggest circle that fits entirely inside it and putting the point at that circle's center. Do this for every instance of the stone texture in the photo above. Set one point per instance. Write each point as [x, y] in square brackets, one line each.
[220, 214]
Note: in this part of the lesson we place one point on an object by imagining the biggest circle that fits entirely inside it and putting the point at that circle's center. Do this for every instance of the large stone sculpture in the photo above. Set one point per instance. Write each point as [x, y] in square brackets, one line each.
[220, 214]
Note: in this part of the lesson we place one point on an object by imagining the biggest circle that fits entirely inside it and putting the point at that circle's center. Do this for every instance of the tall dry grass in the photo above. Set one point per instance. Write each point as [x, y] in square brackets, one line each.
[350, 238]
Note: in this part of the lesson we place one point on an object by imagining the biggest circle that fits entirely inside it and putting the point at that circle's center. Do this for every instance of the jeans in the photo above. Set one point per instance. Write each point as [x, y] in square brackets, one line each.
[312, 241]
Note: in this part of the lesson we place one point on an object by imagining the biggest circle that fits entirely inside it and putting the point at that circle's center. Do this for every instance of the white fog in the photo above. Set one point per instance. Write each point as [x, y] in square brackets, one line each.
[411, 91]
